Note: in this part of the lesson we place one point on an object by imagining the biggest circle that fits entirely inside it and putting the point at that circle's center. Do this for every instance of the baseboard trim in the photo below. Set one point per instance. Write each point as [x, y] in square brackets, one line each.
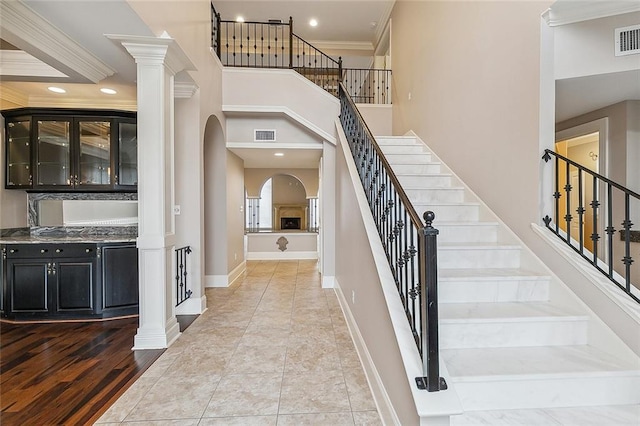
[288, 255]
[192, 306]
[328, 281]
[380, 396]
[211, 281]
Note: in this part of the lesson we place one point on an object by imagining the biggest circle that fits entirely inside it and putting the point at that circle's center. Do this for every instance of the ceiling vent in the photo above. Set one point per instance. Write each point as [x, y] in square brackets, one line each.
[628, 40]
[264, 135]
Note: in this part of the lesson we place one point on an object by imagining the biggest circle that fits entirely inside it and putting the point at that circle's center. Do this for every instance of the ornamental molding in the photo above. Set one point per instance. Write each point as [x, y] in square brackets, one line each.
[18, 63]
[24, 28]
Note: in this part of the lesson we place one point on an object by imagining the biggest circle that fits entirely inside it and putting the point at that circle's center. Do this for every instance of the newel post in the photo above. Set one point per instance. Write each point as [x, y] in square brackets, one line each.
[428, 247]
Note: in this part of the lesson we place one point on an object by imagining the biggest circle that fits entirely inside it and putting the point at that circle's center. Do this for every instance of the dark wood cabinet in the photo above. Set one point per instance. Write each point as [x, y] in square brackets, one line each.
[71, 150]
[70, 280]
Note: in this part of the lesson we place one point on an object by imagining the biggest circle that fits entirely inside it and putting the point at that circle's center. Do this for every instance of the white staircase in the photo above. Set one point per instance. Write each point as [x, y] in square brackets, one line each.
[511, 335]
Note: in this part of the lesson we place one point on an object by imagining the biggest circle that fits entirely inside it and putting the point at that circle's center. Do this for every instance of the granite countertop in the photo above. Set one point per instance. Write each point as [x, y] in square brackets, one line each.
[61, 239]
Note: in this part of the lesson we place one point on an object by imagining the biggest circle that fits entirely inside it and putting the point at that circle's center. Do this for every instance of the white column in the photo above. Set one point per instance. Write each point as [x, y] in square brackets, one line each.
[158, 60]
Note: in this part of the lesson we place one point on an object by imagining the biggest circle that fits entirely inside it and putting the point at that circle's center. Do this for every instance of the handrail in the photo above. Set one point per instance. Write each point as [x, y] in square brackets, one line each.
[410, 246]
[599, 190]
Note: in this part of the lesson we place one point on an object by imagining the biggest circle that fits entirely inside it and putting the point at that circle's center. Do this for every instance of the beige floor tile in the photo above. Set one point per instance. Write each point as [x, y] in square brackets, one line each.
[181, 422]
[358, 389]
[201, 360]
[319, 419]
[313, 393]
[312, 357]
[161, 365]
[125, 404]
[367, 418]
[257, 359]
[245, 394]
[239, 421]
[174, 398]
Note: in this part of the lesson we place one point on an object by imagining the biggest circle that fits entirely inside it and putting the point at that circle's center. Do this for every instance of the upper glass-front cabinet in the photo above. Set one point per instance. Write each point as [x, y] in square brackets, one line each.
[95, 153]
[78, 150]
[53, 151]
[18, 159]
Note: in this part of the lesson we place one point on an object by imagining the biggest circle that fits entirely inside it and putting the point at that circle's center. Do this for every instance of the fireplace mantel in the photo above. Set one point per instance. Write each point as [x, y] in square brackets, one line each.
[289, 210]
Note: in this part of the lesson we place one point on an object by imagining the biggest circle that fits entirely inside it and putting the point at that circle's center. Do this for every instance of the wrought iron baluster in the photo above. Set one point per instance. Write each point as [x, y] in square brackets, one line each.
[627, 260]
[580, 212]
[610, 229]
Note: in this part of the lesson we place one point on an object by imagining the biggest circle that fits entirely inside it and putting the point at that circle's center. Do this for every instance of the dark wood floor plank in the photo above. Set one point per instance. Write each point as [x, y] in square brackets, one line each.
[66, 373]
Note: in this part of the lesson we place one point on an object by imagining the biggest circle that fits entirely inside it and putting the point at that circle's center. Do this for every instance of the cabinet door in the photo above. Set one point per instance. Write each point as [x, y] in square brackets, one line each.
[53, 153]
[29, 282]
[75, 283]
[127, 167]
[94, 167]
[18, 171]
[120, 276]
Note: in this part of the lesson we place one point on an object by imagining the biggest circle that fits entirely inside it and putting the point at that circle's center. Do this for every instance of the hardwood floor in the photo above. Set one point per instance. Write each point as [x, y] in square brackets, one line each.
[66, 373]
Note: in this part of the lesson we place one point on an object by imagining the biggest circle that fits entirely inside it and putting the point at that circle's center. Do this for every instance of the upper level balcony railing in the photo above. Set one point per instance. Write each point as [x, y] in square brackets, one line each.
[273, 44]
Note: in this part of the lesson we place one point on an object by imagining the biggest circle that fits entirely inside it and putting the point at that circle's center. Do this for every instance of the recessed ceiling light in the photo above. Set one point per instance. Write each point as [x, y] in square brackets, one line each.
[240, 19]
[108, 91]
[279, 154]
[313, 23]
[57, 89]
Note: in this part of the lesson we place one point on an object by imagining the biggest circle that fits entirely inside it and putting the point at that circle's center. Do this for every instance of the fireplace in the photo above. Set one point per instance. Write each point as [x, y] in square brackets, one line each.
[289, 223]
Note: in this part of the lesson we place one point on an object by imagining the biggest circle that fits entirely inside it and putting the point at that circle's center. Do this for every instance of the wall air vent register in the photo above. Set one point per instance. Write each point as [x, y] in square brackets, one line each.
[627, 40]
[264, 135]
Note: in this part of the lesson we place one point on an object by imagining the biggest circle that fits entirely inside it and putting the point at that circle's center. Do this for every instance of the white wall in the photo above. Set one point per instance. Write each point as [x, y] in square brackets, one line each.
[587, 48]
[241, 130]
[255, 178]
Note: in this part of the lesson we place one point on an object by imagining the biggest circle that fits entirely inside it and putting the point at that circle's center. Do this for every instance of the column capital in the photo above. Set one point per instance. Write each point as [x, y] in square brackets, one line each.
[155, 50]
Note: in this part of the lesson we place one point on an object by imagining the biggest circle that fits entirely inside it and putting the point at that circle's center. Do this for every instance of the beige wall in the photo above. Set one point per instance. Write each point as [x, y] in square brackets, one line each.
[255, 178]
[235, 211]
[369, 310]
[466, 79]
[288, 190]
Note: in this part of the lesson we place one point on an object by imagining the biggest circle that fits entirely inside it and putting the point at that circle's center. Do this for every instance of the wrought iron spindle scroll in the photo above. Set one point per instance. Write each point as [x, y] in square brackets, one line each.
[608, 253]
[182, 290]
[410, 245]
[368, 85]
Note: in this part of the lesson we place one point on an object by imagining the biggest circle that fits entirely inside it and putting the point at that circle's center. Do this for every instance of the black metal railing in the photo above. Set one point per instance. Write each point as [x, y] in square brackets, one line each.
[598, 203]
[273, 44]
[410, 246]
[368, 86]
[182, 290]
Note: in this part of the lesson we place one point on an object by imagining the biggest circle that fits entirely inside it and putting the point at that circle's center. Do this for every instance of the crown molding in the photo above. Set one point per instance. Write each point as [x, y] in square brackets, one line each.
[18, 63]
[154, 49]
[14, 96]
[571, 12]
[24, 28]
[184, 89]
[50, 101]
[342, 45]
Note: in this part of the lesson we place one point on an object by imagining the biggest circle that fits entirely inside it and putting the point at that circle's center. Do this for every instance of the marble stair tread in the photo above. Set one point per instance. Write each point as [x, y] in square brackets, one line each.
[488, 274]
[506, 312]
[482, 364]
[392, 140]
[609, 415]
[477, 245]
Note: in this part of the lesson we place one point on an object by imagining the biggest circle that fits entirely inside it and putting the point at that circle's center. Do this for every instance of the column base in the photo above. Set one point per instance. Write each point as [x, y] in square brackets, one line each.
[147, 338]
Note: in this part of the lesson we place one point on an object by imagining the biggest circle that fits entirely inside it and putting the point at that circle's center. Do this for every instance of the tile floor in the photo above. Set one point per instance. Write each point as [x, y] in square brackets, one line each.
[272, 349]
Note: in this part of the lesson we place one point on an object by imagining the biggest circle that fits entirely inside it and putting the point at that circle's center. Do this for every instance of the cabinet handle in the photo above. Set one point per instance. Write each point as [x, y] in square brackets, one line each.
[87, 250]
[53, 269]
[13, 251]
[58, 250]
[44, 251]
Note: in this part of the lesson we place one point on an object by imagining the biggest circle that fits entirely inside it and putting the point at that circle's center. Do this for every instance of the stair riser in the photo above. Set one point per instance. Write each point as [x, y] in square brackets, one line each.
[463, 291]
[415, 184]
[404, 149]
[435, 196]
[450, 213]
[513, 333]
[479, 258]
[549, 392]
[430, 168]
[468, 234]
[397, 141]
[394, 159]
